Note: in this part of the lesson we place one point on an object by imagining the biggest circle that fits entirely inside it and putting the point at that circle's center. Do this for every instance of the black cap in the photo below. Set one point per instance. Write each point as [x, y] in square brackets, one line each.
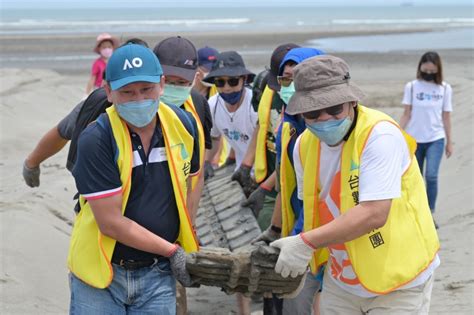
[229, 64]
[277, 57]
[178, 57]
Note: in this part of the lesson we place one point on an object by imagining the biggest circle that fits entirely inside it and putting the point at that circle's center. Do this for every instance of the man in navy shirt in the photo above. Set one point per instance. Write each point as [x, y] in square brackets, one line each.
[145, 256]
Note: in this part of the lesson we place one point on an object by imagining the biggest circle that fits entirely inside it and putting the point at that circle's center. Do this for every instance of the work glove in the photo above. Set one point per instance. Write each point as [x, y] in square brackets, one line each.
[242, 176]
[178, 267]
[255, 200]
[31, 175]
[267, 236]
[208, 170]
[295, 255]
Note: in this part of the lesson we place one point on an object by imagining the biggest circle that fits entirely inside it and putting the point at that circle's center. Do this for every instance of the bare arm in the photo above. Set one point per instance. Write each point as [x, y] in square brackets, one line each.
[210, 154]
[357, 221]
[269, 183]
[194, 196]
[50, 144]
[249, 157]
[90, 84]
[406, 116]
[276, 216]
[447, 130]
[108, 214]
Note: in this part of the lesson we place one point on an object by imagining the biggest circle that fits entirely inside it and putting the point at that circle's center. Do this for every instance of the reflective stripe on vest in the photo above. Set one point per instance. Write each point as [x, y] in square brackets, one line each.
[189, 106]
[407, 243]
[90, 252]
[264, 108]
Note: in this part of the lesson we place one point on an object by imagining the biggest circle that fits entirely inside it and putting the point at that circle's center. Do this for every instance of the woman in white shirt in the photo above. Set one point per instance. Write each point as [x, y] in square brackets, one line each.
[427, 102]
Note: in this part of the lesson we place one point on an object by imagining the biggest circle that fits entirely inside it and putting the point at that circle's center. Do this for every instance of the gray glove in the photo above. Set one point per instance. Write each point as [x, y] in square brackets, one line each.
[31, 175]
[208, 170]
[178, 267]
[267, 236]
[242, 175]
[255, 200]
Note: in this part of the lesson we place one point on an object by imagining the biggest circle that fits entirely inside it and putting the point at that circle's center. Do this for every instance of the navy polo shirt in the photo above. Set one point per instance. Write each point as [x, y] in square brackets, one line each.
[151, 203]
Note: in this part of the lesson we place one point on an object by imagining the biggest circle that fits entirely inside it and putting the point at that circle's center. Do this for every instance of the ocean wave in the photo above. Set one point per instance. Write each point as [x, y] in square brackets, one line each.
[460, 21]
[63, 23]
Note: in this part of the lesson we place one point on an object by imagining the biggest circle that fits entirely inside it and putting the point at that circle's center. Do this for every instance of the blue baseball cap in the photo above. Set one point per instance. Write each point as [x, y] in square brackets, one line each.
[206, 57]
[132, 63]
[298, 55]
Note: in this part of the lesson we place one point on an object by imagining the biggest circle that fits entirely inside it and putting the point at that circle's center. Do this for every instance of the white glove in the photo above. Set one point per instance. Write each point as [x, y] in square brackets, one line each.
[294, 257]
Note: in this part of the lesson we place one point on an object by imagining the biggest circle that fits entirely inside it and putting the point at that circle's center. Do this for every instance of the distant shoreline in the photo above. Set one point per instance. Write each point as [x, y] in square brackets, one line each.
[73, 54]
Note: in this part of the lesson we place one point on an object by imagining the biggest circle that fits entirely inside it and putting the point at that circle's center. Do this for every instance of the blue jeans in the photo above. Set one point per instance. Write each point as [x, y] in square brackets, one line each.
[148, 290]
[432, 152]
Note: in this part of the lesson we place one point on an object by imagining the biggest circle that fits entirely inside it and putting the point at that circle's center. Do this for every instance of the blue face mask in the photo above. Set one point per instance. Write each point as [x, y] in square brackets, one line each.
[330, 132]
[286, 92]
[175, 94]
[232, 98]
[138, 113]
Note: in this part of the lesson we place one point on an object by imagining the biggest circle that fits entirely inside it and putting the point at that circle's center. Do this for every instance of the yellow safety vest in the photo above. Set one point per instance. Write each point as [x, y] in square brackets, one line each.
[212, 91]
[90, 251]
[224, 151]
[395, 254]
[264, 109]
[287, 187]
[287, 181]
[189, 106]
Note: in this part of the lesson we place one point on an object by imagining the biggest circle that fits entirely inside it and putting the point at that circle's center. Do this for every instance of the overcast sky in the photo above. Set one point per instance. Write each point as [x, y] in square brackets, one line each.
[48, 4]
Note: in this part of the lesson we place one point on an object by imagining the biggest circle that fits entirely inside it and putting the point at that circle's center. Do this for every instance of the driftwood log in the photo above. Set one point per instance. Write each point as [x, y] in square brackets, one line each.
[250, 270]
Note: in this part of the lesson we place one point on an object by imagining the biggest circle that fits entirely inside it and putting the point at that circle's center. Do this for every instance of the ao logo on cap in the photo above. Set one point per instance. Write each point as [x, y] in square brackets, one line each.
[136, 63]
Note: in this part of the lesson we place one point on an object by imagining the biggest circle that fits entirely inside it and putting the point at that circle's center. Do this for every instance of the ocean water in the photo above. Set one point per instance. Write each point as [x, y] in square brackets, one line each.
[452, 27]
[143, 20]
[458, 38]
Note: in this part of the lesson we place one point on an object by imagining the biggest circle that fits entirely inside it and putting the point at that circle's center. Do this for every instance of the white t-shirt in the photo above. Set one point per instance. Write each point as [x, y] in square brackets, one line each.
[237, 127]
[383, 162]
[428, 101]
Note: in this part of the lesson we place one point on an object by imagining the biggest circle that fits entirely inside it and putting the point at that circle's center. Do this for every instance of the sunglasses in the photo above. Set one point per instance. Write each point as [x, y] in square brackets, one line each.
[231, 81]
[284, 81]
[333, 111]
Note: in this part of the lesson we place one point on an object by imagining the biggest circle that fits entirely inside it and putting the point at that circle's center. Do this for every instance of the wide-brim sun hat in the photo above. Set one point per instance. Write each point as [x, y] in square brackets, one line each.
[103, 37]
[322, 82]
[229, 64]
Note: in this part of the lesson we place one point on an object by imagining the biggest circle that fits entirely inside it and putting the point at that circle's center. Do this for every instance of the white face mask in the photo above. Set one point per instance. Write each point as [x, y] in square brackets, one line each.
[206, 84]
[106, 52]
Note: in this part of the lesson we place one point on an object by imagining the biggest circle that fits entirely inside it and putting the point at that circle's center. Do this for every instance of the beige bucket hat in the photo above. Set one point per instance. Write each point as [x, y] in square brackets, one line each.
[322, 82]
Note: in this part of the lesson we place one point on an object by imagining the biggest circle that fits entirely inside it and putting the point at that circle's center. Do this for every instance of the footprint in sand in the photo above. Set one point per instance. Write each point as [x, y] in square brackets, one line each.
[457, 284]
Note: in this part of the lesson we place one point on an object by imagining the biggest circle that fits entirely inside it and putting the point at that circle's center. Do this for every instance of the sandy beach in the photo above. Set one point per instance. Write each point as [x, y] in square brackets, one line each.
[35, 224]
